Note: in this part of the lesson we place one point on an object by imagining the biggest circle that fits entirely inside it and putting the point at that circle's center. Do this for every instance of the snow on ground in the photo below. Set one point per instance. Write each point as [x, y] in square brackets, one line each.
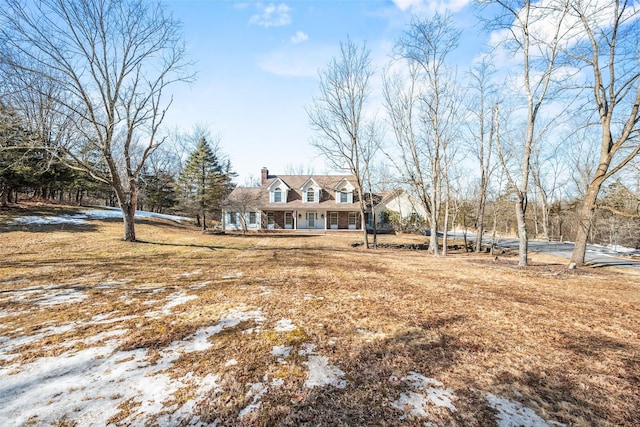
[515, 414]
[81, 218]
[89, 385]
[285, 325]
[321, 373]
[424, 392]
[176, 300]
[92, 381]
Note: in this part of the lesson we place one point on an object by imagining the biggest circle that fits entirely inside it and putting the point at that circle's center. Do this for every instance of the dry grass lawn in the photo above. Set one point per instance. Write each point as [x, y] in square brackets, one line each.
[564, 344]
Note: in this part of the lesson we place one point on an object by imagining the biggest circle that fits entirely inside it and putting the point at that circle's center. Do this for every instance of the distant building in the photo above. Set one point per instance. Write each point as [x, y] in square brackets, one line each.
[310, 202]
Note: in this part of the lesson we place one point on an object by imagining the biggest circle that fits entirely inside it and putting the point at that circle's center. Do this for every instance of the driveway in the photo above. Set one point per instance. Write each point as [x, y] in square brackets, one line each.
[596, 255]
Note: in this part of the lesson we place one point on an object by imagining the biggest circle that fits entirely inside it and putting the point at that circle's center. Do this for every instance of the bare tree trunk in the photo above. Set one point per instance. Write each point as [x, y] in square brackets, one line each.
[4, 195]
[585, 219]
[128, 215]
[445, 226]
[433, 241]
[482, 203]
[523, 243]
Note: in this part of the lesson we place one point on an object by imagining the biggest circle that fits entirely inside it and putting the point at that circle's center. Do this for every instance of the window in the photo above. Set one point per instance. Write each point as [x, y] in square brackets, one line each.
[311, 196]
[252, 218]
[333, 219]
[271, 219]
[288, 220]
[344, 196]
[277, 195]
[233, 217]
[353, 216]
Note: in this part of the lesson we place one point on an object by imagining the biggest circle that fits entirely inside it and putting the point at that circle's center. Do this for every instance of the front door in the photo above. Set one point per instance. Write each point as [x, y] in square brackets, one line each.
[311, 219]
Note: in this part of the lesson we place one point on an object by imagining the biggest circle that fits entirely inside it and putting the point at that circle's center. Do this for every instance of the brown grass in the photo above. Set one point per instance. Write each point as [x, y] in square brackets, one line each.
[564, 343]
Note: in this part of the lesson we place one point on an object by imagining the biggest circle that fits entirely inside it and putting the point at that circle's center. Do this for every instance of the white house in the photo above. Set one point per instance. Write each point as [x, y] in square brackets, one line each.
[309, 202]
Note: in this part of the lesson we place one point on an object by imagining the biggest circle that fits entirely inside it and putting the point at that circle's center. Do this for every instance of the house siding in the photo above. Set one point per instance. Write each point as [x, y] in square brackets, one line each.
[327, 190]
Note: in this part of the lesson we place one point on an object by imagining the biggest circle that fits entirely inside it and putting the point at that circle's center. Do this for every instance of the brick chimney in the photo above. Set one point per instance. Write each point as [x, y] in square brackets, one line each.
[264, 174]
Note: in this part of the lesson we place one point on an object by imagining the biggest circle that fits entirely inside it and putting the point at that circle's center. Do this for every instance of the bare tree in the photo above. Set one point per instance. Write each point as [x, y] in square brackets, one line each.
[112, 62]
[481, 128]
[546, 173]
[538, 46]
[337, 115]
[424, 111]
[607, 47]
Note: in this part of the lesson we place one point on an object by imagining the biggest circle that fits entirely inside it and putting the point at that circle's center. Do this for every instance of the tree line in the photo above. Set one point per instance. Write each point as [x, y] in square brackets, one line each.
[548, 117]
[194, 186]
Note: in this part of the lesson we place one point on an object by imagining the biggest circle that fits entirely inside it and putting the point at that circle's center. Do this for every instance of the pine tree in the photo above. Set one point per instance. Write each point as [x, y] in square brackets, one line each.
[204, 182]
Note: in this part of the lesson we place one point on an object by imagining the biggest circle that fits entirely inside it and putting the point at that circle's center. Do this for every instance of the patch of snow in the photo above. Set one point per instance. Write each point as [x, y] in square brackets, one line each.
[10, 344]
[104, 319]
[200, 285]
[411, 404]
[51, 220]
[257, 390]
[189, 273]
[200, 340]
[426, 391]
[307, 349]
[421, 382]
[285, 325]
[235, 275]
[112, 284]
[231, 362]
[87, 386]
[281, 351]
[80, 218]
[515, 414]
[177, 299]
[62, 296]
[321, 373]
[185, 412]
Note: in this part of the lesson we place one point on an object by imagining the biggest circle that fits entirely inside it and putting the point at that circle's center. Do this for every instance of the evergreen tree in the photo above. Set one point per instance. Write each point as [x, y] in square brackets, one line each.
[204, 182]
[14, 153]
[158, 191]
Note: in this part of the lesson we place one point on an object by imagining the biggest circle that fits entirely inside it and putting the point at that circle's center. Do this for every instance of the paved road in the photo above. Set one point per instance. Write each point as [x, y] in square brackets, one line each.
[595, 256]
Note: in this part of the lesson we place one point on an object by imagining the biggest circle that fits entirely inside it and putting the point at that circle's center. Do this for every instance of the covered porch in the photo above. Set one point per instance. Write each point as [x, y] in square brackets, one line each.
[311, 219]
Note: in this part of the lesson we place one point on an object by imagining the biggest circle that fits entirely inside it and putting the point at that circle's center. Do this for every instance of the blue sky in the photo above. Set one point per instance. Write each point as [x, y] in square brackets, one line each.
[258, 62]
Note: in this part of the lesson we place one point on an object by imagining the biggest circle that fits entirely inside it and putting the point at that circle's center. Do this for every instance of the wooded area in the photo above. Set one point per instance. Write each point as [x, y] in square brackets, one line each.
[540, 138]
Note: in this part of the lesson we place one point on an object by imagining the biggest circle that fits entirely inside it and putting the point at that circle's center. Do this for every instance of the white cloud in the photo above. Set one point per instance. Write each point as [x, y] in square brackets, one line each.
[299, 37]
[440, 6]
[271, 15]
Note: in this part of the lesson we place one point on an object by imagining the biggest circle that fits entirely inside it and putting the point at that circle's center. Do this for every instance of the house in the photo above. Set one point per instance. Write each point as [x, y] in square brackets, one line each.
[309, 202]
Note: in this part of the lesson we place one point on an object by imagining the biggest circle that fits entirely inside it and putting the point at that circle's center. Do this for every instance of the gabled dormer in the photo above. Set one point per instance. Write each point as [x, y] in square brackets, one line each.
[278, 191]
[310, 191]
[344, 191]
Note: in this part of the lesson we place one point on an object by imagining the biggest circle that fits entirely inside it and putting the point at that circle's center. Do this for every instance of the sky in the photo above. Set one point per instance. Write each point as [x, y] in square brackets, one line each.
[258, 63]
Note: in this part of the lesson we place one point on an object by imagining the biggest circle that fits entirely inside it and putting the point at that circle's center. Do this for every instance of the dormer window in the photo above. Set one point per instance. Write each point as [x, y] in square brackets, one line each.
[311, 195]
[278, 191]
[344, 191]
[344, 196]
